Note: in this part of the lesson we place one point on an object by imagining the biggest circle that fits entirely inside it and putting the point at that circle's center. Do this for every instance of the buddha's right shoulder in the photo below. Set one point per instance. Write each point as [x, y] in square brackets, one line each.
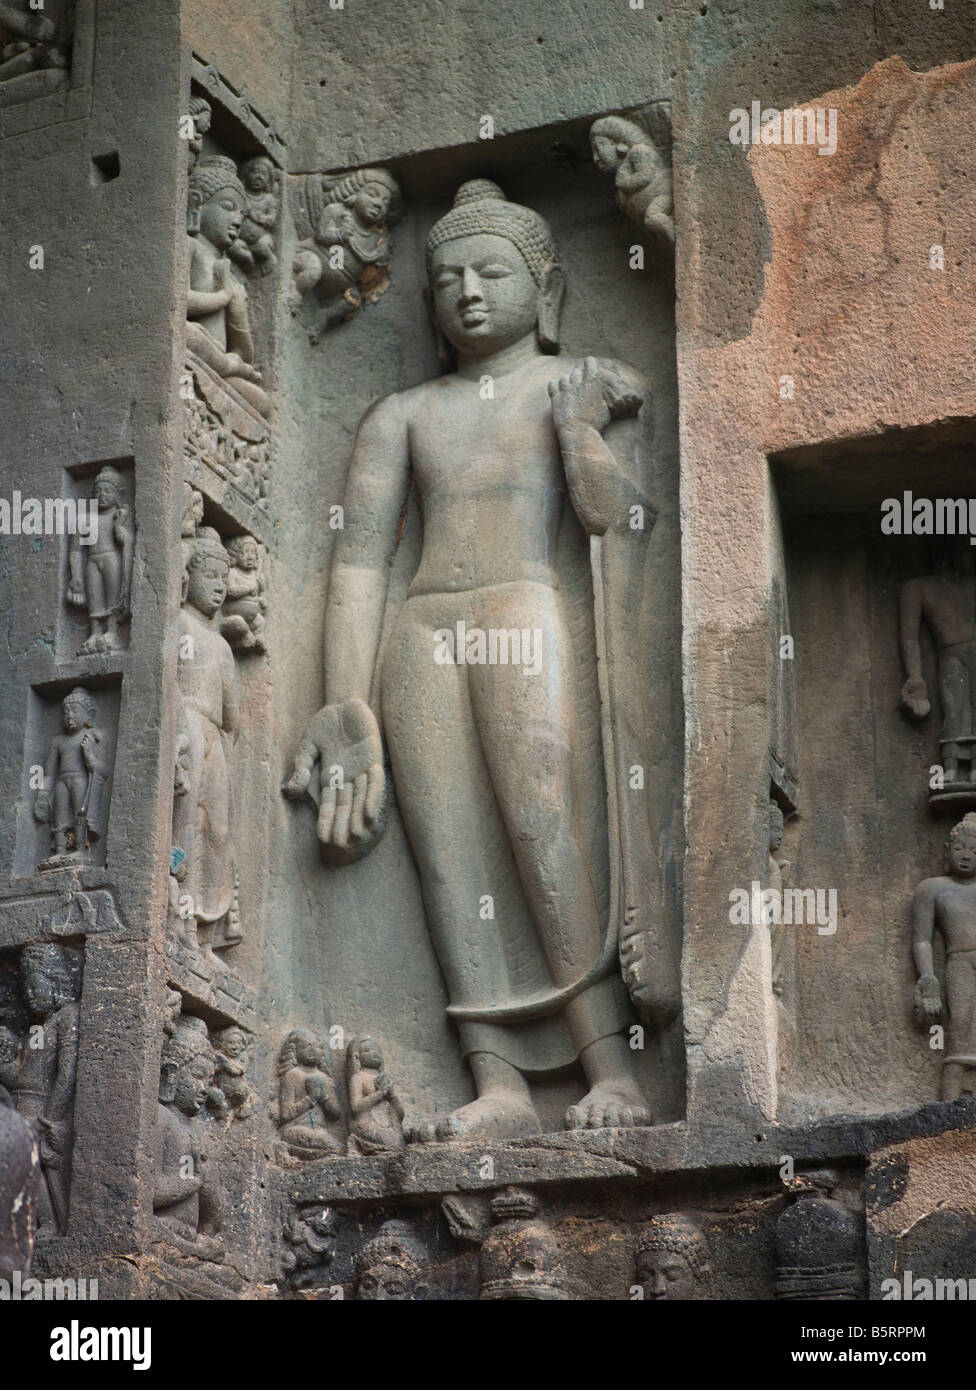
[397, 409]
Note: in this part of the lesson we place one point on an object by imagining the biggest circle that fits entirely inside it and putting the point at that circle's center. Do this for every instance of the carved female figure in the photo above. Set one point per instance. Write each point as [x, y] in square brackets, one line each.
[376, 1115]
[307, 1098]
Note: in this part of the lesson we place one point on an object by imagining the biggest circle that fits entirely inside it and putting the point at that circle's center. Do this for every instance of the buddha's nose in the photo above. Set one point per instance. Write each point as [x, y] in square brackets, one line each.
[470, 287]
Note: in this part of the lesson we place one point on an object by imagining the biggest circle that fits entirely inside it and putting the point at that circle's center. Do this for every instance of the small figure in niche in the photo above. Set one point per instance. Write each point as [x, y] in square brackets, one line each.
[307, 1098]
[345, 249]
[641, 175]
[218, 330]
[100, 574]
[74, 797]
[254, 248]
[947, 904]
[230, 1078]
[201, 116]
[945, 602]
[192, 511]
[242, 617]
[376, 1114]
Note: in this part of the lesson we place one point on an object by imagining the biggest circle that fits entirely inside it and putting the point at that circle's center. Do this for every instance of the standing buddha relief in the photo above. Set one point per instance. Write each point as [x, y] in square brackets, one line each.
[535, 817]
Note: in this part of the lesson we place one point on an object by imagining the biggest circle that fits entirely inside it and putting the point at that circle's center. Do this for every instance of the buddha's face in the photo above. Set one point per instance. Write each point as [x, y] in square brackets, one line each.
[484, 295]
[207, 584]
[775, 827]
[384, 1282]
[107, 493]
[192, 1083]
[962, 854]
[74, 713]
[221, 217]
[666, 1274]
[372, 203]
[39, 990]
[606, 153]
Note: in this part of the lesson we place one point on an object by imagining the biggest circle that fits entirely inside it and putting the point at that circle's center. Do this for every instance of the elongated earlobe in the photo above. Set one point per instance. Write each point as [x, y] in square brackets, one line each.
[445, 351]
[550, 305]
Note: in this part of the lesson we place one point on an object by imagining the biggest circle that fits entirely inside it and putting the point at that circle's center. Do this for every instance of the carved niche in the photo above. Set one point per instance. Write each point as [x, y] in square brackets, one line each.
[73, 798]
[233, 206]
[538, 816]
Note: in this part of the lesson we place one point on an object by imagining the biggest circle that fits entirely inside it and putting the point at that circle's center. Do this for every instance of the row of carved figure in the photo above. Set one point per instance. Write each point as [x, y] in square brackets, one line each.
[521, 1256]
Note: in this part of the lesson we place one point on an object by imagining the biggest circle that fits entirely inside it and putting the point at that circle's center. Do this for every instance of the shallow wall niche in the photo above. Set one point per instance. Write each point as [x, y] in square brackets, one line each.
[356, 951]
[866, 827]
[70, 828]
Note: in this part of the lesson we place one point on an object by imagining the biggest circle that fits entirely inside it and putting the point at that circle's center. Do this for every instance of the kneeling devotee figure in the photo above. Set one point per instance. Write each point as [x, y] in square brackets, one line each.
[496, 753]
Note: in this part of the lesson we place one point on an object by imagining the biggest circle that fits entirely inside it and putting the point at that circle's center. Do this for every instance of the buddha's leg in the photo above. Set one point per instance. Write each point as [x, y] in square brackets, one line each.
[528, 730]
[446, 802]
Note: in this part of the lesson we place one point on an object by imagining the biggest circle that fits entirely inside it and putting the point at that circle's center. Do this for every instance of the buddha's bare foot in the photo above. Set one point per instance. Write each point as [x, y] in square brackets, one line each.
[497, 1116]
[610, 1105]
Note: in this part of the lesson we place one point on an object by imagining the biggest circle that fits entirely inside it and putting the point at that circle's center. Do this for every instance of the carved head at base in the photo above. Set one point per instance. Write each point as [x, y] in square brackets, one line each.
[388, 1266]
[494, 274]
[672, 1258]
[521, 1258]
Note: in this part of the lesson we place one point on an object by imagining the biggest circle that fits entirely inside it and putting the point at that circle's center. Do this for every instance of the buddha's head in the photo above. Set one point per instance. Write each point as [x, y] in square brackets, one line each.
[77, 709]
[494, 274]
[961, 847]
[217, 201]
[672, 1258]
[109, 489]
[206, 571]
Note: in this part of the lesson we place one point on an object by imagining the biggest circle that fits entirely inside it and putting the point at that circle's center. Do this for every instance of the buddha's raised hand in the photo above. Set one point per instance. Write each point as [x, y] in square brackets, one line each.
[344, 741]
